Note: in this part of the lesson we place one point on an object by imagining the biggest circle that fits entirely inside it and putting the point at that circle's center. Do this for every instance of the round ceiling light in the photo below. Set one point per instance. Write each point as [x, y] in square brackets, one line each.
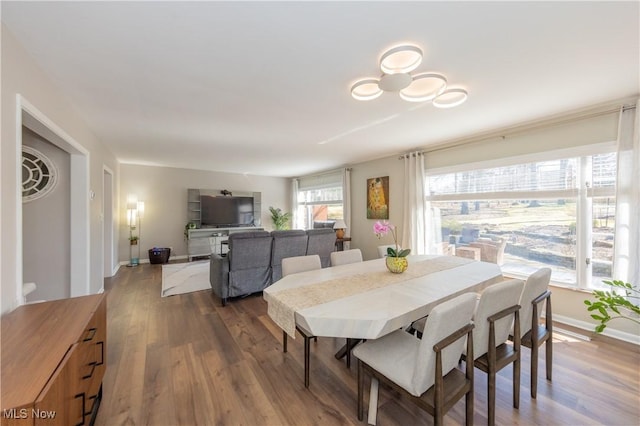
[366, 90]
[450, 98]
[401, 59]
[424, 87]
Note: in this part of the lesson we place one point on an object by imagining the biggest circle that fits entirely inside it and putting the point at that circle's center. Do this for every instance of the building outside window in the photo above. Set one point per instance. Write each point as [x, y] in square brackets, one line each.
[558, 214]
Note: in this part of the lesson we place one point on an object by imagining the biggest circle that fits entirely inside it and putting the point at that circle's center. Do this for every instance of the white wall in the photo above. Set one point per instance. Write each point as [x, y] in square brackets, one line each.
[164, 192]
[362, 235]
[20, 75]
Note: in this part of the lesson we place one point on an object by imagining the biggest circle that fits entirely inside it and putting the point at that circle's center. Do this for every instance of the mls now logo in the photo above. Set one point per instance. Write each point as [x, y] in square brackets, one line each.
[23, 413]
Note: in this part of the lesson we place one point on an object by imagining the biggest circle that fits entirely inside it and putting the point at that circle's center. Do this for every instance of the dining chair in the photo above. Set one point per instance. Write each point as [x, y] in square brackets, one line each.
[293, 265]
[533, 334]
[495, 314]
[345, 257]
[424, 370]
[382, 250]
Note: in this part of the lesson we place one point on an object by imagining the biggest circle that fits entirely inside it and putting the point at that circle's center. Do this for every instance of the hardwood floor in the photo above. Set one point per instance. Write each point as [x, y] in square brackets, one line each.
[186, 360]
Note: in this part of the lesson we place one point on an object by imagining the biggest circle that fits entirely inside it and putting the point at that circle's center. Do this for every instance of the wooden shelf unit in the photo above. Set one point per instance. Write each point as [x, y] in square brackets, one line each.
[53, 361]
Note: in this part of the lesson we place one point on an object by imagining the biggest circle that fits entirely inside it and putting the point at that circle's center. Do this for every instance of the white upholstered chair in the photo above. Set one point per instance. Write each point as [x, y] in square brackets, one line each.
[293, 265]
[495, 315]
[424, 369]
[533, 334]
[382, 250]
[345, 257]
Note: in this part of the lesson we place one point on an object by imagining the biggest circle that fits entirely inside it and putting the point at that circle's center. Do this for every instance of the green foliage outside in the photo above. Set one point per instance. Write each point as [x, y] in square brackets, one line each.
[611, 305]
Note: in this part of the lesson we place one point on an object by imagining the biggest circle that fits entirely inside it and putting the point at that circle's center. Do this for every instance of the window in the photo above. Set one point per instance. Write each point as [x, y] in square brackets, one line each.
[541, 210]
[319, 201]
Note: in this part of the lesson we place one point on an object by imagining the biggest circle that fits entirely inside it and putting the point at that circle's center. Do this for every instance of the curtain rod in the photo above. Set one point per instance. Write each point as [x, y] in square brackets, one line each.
[326, 172]
[521, 129]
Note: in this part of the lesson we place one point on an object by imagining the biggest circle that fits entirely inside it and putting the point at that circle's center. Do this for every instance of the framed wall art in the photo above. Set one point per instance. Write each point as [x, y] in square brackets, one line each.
[378, 198]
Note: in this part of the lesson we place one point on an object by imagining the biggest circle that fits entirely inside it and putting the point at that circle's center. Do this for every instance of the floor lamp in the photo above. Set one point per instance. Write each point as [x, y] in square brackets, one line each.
[132, 219]
[140, 214]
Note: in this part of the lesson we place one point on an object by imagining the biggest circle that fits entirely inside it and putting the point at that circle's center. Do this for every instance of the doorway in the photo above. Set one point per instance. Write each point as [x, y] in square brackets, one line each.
[79, 283]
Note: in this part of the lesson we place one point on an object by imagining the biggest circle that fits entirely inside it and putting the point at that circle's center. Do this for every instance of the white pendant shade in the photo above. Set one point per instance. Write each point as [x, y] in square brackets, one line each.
[450, 98]
[396, 65]
[424, 87]
[401, 59]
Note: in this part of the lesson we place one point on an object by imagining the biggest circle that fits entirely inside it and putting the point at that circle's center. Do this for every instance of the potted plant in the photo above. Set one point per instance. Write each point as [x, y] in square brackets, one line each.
[396, 259]
[133, 240]
[280, 219]
[190, 225]
[621, 305]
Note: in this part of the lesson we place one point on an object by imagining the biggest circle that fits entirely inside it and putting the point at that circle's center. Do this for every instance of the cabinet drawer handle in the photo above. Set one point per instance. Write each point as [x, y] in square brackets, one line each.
[101, 353]
[92, 333]
[93, 368]
[81, 395]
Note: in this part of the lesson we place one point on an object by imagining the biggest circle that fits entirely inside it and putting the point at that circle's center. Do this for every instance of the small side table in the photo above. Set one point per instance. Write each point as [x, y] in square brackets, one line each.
[340, 243]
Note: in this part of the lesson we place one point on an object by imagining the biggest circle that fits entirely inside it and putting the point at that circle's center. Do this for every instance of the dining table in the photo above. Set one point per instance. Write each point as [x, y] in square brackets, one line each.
[363, 300]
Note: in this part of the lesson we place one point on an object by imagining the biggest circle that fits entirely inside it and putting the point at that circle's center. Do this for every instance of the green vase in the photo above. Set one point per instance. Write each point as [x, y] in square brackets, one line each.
[397, 265]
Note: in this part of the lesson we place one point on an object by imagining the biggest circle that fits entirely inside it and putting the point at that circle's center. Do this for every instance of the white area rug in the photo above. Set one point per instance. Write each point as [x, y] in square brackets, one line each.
[179, 278]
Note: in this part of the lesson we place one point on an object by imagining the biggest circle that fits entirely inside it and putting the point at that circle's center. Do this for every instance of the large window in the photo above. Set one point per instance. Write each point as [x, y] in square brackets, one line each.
[558, 214]
[320, 200]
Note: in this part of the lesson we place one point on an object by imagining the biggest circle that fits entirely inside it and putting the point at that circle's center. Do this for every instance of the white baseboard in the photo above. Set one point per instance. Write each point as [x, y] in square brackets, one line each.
[587, 326]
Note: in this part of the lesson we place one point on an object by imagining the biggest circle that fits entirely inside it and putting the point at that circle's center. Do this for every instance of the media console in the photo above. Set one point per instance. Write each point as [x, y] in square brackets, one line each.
[206, 241]
[203, 241]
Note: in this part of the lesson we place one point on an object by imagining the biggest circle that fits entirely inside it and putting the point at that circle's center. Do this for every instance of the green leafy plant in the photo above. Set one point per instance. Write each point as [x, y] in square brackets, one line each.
[280, 219]
[133, 239]
[190, 225]
[609, 302]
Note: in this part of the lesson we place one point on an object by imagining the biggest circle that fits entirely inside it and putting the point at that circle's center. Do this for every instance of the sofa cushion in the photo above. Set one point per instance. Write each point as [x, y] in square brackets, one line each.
[321, 241]
[288, 243]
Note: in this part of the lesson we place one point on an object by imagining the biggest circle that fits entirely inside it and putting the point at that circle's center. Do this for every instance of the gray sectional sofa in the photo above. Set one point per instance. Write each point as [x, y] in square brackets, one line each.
[254, 260]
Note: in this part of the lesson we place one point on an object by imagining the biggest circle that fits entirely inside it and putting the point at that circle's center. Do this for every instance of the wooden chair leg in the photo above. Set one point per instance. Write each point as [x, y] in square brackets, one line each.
[468, 400]
[516, 383]
[284, 341]
[491, 397]
[360, 389]
[549, 358]
[349, 344]
[534, 370]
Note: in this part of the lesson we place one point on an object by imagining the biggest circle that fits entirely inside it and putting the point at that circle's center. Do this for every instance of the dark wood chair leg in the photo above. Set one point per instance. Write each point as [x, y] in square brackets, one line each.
[348, 355]
[516, 383]
[284, 341]
[360, 389]
[534, 370]
[549, 358]
[491, 397]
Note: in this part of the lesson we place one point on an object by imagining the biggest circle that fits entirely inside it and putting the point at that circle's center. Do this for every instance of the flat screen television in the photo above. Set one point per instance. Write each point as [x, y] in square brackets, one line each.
[221, 212]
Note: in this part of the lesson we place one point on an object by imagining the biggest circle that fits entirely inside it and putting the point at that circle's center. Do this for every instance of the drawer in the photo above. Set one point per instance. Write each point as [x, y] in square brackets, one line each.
[92, 358]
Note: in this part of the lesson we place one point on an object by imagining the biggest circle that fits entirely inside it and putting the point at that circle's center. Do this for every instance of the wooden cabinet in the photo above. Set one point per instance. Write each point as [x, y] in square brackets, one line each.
[53, 362]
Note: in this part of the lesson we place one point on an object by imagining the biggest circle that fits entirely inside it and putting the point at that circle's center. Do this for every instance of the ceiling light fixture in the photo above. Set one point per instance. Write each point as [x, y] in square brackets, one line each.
[396, 65]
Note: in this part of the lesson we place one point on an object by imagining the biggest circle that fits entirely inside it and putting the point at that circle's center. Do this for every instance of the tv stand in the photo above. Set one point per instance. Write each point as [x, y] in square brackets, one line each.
[206, 241]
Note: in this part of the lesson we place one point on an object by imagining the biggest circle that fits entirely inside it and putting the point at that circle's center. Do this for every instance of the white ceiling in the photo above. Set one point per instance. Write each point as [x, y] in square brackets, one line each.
[263, 87]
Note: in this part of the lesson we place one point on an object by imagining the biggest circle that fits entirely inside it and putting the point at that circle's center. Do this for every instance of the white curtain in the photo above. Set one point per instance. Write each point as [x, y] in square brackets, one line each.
[626, 262]
[346, 199]
[295, 216]
[416, 226]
